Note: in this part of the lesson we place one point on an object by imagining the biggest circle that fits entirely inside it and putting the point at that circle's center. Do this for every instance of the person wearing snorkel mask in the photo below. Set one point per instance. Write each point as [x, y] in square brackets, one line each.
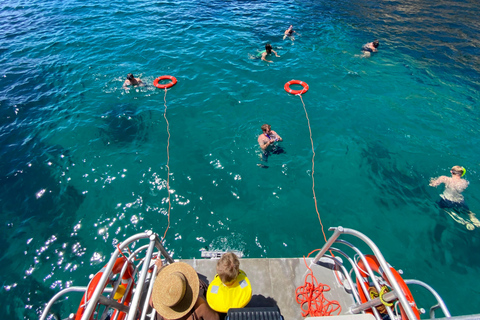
[452, 200]
[454, 186]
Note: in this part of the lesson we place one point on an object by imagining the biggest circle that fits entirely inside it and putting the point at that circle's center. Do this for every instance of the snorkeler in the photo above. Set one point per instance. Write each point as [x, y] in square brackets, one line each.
[289, 33]
[452, 199]
[268, 50]
[132, 81]
[370, 47]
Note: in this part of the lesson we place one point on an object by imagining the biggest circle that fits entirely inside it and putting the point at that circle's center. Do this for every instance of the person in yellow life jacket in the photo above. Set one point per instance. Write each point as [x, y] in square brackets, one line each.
[230, 288]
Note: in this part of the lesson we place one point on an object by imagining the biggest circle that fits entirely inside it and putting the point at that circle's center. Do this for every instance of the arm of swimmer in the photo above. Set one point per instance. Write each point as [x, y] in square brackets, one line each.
[277, 137]
[264, 55]
[276, 54]
[438, 181]
[264, 143]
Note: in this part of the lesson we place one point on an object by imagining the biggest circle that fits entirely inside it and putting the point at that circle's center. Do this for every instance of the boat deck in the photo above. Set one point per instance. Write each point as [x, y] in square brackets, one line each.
[274, 282]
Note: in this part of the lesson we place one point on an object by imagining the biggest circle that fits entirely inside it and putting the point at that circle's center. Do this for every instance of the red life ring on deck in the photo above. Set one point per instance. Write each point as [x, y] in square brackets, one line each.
[303, 84]
[375, 266]
[165, 86]
[117, 268]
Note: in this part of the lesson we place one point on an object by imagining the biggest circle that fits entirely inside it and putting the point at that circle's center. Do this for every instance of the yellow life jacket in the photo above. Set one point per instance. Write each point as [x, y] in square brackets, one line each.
[221, 297]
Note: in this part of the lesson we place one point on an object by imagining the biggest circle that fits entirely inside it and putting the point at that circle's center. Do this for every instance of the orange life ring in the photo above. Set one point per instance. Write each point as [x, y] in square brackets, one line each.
[303, 84]
[117, 268]
[375, 266]
[167, 85]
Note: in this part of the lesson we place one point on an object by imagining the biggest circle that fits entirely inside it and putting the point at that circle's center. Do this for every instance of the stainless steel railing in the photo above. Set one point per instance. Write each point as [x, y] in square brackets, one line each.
[141, 273]
[395, 294]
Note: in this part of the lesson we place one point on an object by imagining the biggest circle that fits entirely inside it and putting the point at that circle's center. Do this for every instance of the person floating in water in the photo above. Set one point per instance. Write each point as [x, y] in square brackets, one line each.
[289, 33]
[268, 50]
[267, 141]
[132, 81]
[452, 199]
[370, 47]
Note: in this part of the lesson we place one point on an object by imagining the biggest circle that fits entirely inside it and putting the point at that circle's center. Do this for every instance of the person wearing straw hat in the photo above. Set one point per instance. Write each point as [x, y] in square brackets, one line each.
[175, 294]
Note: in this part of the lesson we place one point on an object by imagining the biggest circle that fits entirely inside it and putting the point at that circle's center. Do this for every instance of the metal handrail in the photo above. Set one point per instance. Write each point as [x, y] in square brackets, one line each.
[97, 296]
[440, 303]
[62, 293]
[142, 266]
[396, 293]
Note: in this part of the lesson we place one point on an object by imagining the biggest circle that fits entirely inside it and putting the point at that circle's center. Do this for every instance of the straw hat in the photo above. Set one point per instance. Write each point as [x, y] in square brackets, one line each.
[175, 290]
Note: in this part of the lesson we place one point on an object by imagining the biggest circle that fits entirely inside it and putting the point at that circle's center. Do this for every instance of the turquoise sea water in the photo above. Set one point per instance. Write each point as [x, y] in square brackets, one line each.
[83, 162]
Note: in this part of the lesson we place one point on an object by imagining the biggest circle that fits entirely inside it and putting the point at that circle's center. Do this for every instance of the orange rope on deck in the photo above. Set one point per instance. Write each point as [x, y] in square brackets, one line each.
[168, 163]
[311, 297]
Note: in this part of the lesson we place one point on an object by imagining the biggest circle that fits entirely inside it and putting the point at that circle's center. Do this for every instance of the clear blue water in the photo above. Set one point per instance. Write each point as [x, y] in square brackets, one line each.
[83, 162]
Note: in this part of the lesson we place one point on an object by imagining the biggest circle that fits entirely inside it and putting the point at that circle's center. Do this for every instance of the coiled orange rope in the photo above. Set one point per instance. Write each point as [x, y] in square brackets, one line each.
[311, 297]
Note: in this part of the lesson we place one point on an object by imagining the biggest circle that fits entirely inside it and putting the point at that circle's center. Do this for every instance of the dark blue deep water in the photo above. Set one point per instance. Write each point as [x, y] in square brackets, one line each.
[84, 162]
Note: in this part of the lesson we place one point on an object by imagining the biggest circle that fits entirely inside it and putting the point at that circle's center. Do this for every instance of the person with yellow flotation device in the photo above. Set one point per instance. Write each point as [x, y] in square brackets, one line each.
[230, 288]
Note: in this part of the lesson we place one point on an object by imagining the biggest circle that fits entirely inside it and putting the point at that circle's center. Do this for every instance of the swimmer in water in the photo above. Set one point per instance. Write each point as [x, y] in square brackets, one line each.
[289, 33]
[370, 47]
[268, 50]
[267, 141]
[132, 81]
[452, 198]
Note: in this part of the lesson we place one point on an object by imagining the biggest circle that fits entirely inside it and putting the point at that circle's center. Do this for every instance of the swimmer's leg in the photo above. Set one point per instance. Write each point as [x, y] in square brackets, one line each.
[474, 219]
[366, 54]
[264, 156]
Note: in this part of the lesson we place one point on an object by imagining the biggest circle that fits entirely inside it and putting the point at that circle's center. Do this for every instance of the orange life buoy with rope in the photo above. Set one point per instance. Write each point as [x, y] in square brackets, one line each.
[117, 268]
[303, 84]
[375, 266]
[167, 85]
